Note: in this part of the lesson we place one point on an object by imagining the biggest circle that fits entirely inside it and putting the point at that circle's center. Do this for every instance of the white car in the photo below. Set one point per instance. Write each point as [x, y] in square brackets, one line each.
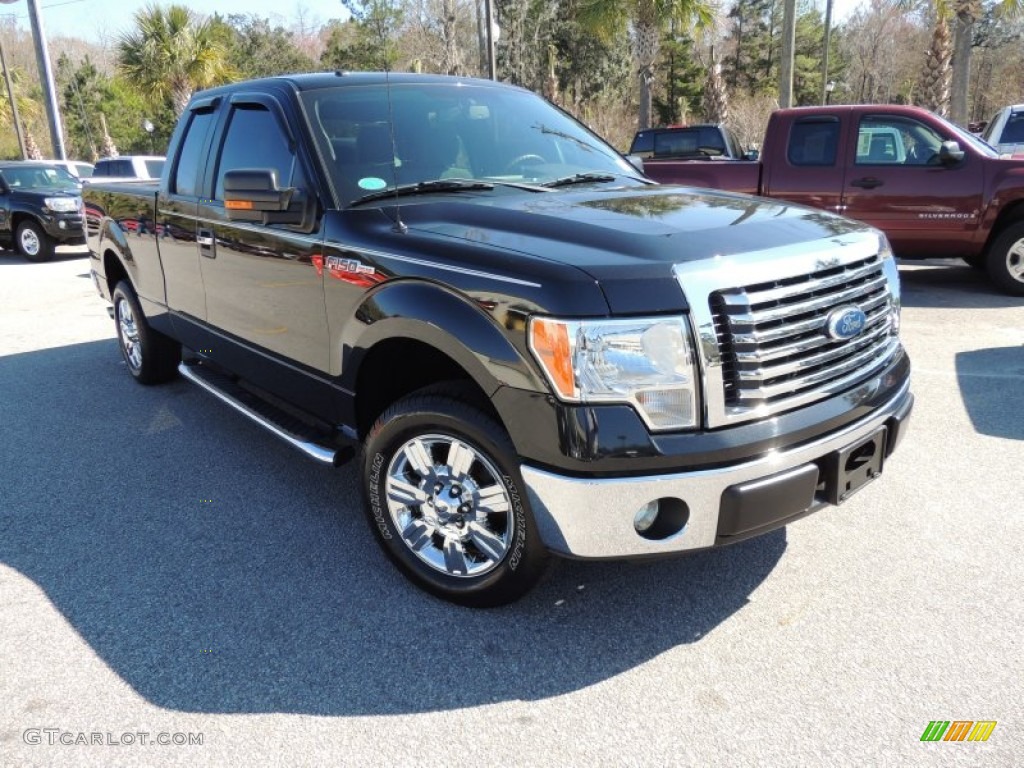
[77, 168]
[127, 168]
[1005, 131]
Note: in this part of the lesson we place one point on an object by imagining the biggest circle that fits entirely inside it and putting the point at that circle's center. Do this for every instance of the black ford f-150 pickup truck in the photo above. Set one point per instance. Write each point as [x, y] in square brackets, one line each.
[529, 347]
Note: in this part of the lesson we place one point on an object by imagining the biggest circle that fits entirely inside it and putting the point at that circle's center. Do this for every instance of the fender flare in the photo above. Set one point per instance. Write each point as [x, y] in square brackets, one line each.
[447, 321]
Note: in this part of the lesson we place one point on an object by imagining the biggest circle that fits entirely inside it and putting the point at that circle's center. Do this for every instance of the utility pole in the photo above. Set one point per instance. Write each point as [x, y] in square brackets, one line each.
[492, 70]
[46, 78]
[788, 45]
[14, 103]
[824, 56]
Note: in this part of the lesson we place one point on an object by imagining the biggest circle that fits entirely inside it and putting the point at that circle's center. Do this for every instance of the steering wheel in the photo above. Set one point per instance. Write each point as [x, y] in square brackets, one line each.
[522, 159]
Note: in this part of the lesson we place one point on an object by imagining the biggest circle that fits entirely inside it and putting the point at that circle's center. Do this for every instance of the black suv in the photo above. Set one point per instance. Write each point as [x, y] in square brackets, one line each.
[40, 208]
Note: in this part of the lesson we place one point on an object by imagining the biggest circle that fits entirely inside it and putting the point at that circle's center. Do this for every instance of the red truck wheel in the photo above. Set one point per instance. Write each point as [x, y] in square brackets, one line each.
[1006, 260]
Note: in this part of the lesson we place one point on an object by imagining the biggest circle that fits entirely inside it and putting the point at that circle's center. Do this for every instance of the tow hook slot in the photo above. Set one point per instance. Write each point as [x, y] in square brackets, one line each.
[849, 470]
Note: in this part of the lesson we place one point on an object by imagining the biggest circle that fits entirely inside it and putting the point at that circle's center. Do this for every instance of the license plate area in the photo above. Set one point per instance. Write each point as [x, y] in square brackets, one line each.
[849, 470]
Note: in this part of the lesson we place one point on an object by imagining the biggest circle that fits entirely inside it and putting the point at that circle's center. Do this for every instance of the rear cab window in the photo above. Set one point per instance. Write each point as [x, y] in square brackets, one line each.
[813, 141]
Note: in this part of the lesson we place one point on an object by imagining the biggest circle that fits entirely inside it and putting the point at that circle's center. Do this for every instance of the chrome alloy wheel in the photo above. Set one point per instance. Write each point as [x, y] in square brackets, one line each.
[129, 333]
[1015, 261]
[29, 242]
[450, 505]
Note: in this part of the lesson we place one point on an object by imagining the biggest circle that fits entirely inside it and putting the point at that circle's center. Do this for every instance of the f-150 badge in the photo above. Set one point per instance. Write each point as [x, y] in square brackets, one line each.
[349, 270]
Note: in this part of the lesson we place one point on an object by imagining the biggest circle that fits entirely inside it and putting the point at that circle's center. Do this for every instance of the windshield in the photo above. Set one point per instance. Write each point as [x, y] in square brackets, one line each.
[39, 177]
[454, 130]
[154, 168]
[965, 137]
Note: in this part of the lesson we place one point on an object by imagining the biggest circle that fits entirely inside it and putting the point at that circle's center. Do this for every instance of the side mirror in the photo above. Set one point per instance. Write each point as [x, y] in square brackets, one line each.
[252, 194]
[4, 189]
[950, 153]
[637, 161]
[751, 154]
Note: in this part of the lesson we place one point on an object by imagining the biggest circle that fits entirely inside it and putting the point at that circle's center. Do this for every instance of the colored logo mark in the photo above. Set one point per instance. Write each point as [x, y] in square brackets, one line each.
[958, 730]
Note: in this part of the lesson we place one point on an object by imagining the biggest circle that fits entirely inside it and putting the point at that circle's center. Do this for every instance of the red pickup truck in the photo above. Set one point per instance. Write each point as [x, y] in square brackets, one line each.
[933, 188]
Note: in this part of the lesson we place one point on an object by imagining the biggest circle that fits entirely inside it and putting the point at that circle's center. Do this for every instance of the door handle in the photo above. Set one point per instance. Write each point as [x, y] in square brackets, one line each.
[204, 238]
[867, 183]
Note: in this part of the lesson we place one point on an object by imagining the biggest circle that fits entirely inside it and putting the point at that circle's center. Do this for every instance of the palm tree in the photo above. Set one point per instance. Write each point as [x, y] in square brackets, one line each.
[943, 85]
[171, 53]
[933, 84]
[646, 19]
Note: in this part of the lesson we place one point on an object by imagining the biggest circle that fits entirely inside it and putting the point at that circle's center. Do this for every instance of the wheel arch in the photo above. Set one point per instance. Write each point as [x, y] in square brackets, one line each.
[412, 335]
[1010, 214]
[114, 270]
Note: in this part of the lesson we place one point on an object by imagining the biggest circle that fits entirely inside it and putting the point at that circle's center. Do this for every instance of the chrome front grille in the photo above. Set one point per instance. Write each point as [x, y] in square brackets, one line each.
[772, 340]
[761, 322]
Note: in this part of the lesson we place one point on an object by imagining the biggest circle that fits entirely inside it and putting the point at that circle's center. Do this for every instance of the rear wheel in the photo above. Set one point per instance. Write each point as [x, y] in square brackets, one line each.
[152, 358]
[447, 503]
[33, 243]
[1005, 260]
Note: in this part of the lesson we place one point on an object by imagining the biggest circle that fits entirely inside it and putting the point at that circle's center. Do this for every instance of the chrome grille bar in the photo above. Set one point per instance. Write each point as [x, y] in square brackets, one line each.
[764, 346]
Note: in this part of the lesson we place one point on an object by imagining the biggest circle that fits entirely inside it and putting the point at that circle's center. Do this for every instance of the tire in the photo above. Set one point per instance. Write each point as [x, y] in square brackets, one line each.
[32, 242]
[431, 450]
[1005, 260]
[151, 357]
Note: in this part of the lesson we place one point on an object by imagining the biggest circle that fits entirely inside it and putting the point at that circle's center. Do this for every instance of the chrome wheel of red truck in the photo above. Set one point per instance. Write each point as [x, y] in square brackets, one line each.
[1006, 260]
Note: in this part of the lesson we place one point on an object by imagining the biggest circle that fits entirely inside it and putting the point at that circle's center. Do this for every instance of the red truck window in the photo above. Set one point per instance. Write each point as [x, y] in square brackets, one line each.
[814, 141]
[896, 140]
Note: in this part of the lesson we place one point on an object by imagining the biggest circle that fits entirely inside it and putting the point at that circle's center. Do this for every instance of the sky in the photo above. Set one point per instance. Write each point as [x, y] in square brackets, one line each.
[102, 20]
[99, 20]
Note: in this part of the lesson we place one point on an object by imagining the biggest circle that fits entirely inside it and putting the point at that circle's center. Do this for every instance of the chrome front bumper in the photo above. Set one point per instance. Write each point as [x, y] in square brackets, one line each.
[593, 518]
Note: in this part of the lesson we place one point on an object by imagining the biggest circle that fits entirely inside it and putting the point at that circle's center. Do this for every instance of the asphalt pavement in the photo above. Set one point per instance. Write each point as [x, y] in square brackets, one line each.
[170, 572]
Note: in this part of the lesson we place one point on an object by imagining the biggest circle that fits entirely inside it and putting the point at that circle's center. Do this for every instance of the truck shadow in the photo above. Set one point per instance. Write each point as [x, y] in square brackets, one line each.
[950, 283]
[992, 387]
[215, 570]
[10, 257]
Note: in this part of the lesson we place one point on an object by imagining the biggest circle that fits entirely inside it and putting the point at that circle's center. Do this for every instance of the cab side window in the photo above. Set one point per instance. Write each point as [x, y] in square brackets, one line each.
[188, 171]
[813, 141]
[890, 140]
[254, 139]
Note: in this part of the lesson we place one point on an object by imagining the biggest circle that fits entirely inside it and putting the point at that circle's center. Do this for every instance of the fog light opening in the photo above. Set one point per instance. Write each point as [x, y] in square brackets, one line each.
[661, 518]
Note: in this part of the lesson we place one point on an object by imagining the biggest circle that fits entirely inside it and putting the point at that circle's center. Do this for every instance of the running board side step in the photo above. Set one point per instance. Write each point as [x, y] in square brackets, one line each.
[266, 415]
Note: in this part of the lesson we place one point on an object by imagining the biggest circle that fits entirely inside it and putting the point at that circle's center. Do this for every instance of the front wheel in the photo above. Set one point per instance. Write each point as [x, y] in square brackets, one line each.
[1006, 260]
[33, 243]
[446, 501]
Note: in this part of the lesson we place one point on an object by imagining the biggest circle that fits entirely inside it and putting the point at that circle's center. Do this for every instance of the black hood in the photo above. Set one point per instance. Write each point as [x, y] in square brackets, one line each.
[32, 193]
[628, 239]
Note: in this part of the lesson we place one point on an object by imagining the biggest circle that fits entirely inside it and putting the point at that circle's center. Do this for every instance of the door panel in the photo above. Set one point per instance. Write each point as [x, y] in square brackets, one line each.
[262, 285]
[895, 182]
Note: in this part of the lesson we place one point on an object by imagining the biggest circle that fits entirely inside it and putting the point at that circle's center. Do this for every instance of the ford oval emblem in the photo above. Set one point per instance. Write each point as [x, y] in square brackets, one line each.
[845, 322]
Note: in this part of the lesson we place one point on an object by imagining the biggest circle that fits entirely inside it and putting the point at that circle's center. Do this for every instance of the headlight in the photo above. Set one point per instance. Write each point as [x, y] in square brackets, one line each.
[63, 204]
[647, 362]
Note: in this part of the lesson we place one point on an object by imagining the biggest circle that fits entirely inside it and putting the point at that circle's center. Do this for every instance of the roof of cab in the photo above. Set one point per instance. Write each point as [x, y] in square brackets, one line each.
[315, 80]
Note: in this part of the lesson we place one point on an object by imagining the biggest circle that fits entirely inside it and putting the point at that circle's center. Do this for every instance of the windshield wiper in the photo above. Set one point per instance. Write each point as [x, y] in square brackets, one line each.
[581, 178]
[425, 188]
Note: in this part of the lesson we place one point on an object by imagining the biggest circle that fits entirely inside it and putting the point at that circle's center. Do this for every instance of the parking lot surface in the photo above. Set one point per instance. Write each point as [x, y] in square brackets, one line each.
[170, 572]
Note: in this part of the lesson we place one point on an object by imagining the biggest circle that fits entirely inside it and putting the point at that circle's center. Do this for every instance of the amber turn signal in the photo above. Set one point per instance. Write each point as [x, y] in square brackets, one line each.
[549, 340]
